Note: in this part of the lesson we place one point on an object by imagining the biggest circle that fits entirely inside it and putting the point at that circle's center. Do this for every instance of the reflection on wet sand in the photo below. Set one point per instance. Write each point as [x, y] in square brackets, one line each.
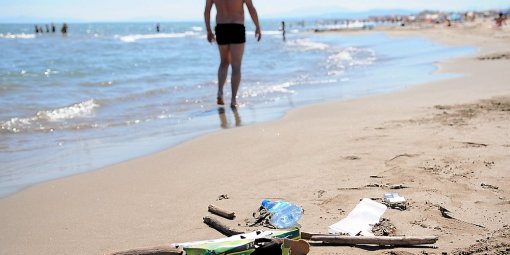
[224, 123]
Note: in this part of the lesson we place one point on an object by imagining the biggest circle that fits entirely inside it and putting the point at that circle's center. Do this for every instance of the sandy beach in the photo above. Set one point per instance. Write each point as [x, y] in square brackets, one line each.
[447, 142]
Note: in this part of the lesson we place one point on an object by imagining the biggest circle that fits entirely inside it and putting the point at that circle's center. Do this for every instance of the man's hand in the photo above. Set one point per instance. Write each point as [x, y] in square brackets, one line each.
[210, 36]
[258, 34]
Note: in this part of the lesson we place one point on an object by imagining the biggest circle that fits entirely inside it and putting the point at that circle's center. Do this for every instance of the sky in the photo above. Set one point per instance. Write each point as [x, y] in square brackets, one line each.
[128, 10]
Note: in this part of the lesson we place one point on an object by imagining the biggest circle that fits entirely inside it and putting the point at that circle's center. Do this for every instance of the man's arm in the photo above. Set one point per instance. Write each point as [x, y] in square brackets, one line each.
[207, 18]
[254, 17]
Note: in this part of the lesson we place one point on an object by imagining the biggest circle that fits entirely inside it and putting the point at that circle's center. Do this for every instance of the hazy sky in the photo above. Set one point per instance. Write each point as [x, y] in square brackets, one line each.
[96, 10]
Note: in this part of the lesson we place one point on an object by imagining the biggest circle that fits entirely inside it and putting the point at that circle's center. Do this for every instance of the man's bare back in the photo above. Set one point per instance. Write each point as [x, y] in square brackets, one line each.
[229, 11]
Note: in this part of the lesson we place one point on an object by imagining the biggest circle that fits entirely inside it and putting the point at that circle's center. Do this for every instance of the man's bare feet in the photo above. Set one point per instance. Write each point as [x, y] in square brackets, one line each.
[220, 101]
[233, 105]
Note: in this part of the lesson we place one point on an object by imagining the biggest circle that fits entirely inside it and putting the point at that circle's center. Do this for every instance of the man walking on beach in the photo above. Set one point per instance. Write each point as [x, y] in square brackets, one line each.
[230, 34]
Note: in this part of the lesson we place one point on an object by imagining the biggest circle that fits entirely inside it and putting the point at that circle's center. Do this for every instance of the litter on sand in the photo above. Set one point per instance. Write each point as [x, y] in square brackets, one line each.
[240, 244]
[358, 225]
[394, 200]
[360, 220]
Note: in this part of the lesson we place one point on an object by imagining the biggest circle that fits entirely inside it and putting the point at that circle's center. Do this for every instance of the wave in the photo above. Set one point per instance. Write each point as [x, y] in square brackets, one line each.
[17, 36]
[307, 45]
[197, 29]
[275, 90]
[349, 57]
[137, 37]
[76, 110]
[262, 90]
[265, 32]
[50, 120]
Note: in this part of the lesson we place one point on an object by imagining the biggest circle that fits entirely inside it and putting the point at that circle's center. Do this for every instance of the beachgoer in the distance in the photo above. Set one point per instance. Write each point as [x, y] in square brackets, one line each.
[448, 21]
[500, 20]
[53, 29]
[230, 34]
[157, 27]
[283, 30]
[64, 29]
[36, 29]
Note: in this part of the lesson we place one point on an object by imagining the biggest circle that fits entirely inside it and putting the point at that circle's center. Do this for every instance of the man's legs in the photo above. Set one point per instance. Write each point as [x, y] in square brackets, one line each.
[223, 71]
[236, 57]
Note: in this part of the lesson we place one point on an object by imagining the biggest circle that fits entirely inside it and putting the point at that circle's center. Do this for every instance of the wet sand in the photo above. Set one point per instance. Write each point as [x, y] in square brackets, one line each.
[446, 142]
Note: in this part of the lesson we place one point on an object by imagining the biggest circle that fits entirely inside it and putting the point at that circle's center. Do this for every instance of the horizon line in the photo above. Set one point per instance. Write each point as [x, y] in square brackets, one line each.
[29, 20]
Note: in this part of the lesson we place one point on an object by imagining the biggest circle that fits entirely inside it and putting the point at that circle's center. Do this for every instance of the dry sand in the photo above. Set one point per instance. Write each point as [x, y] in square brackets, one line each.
[447, 141]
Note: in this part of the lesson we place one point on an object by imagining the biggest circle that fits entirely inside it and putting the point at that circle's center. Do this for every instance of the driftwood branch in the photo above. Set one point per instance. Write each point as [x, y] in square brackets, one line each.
[213, 223]
[222, 212]
[378, 240]
[160, 250]
[308, 236]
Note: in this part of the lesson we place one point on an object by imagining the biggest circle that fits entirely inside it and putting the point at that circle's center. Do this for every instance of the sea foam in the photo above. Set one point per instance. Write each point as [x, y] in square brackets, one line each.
[307, 45]
[350, 57]
[82, 109]
[17, 36]
[137, 37]
[43, 119]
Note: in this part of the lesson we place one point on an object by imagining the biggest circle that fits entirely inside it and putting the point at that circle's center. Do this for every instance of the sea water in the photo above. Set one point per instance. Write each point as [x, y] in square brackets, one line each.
[105, 93]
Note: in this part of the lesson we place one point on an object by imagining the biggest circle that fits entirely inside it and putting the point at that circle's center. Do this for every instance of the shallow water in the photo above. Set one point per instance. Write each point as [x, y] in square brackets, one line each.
[106, 93]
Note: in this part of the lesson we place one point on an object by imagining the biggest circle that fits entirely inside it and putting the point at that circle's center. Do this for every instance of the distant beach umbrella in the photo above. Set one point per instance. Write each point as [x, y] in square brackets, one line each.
[455, 17]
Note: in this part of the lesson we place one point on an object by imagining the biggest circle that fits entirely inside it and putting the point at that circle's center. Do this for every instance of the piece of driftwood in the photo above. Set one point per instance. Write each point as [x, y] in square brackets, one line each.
[378, 240]
[159, 250]
[308, 236]
[220, 227]
[222, 212]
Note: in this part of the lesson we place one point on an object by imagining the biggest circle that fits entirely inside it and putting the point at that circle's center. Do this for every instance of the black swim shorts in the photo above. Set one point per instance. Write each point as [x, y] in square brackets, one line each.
[230, 33]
